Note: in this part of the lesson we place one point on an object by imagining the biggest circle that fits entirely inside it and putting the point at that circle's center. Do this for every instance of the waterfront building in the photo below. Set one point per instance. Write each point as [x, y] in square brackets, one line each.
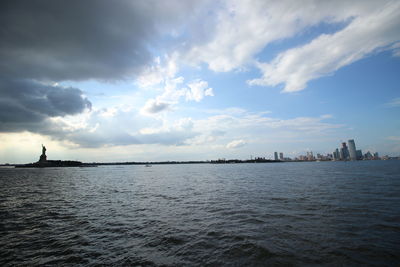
[352, 150]
[302, 158]
[276, 155]
[344, 152]
[281, 156]
[368, 155]
[359, 154]
[336, 154]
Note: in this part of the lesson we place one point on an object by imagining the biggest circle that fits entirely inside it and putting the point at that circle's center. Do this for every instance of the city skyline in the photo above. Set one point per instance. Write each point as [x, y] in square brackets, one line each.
[347, 152]
[343, 155]
[197, 80]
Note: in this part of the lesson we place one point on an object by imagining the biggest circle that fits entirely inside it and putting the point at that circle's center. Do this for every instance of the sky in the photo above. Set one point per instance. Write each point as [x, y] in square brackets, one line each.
[109, 81]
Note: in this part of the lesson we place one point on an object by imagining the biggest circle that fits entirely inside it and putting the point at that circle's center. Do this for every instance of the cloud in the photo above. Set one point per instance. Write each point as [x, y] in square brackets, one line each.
[119, 126]
[260, 128]
[236, 144]
[125, 127]
[198, 90]
[177, 134]
[329, 52]
[244, 29]
[154, 106]
[75, 40]
[48, 41]
[160, 71]
[173, 92]
[220, 129]
[24, 103]
[241, 28]
[170, 96]
[393, 103]
[393, 138]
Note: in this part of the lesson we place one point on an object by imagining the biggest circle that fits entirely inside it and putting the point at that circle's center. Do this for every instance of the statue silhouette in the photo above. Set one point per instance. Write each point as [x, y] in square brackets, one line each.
[43, 157]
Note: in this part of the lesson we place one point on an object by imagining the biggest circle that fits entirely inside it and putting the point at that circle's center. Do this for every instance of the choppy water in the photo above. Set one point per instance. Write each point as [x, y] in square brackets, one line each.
[335, 213]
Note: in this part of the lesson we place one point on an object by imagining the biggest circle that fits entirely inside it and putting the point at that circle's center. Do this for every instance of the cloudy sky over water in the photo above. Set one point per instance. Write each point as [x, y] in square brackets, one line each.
[196, 80]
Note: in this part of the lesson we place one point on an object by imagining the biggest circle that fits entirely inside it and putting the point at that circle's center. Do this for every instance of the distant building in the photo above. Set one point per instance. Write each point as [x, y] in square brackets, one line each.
[310, 156]
[336, 154]
[302, 158]
[344, 152]
[352, 150]
[276, 155]
[281, 156]
[359, 154]
[368, 155]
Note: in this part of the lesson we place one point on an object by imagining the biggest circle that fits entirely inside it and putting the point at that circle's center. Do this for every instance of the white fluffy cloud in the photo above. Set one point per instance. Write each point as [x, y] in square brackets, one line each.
[198, 90]
[120, 127]
[329, 52]
[236, 144]
[160, 71]
[245, 28]
[173, 93]
[170, 96]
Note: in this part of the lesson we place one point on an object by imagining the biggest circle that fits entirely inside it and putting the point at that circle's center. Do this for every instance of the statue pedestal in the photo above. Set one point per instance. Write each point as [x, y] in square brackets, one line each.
[43, 158]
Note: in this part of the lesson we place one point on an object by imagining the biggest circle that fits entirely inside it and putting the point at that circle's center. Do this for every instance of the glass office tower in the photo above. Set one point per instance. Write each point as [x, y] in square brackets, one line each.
[352, 150]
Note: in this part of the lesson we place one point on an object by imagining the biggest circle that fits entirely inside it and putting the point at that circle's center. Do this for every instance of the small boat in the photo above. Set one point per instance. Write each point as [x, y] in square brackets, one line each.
[148, 165]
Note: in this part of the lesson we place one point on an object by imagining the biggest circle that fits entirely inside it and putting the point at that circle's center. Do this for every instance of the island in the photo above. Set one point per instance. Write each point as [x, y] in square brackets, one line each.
[44, 163]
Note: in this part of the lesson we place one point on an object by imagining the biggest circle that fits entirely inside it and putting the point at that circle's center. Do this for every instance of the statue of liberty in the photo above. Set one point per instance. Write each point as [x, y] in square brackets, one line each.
[43, 157]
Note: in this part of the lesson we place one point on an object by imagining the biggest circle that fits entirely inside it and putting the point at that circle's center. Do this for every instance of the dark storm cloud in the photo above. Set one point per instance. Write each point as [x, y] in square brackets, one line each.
[24, 103]
[46, 41]
[77, 40]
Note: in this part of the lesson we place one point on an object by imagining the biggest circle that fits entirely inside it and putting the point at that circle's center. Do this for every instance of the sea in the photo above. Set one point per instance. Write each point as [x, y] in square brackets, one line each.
[253, 214]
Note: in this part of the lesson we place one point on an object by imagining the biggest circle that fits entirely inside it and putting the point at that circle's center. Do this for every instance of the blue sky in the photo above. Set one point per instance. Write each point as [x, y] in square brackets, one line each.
[200, 80]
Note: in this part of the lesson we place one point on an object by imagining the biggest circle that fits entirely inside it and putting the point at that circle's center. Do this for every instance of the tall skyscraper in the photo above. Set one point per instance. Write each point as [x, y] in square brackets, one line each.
[359, 154]
[281, 156]
[352, 150]
[336, 155]
[276, 155]
[344, 152]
